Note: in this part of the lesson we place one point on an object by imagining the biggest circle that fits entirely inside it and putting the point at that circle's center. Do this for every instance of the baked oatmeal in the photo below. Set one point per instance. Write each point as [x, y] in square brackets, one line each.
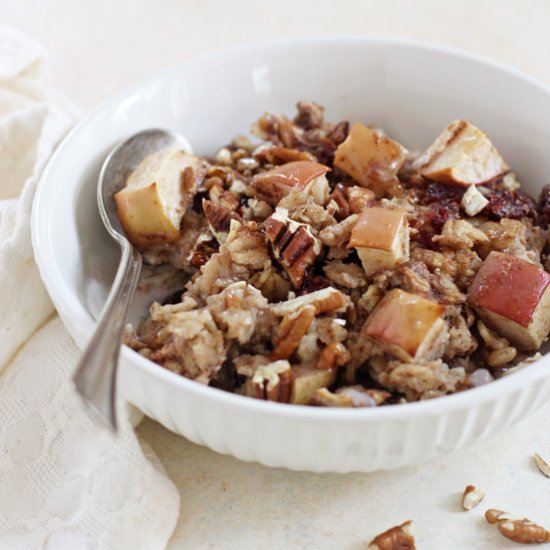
[328, 265]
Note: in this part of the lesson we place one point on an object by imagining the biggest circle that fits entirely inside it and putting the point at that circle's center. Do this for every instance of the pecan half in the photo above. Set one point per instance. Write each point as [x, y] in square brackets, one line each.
[273, 382]
[291, 331]
[396, 538]
[517, 529]
[523, 531]
[293, 244]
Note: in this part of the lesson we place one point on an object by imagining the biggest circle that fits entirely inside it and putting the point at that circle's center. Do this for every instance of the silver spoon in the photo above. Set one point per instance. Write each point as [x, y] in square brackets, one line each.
[95, 376]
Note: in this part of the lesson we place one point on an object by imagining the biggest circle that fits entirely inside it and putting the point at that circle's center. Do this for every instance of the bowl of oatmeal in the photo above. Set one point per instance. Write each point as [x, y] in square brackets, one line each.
[348, 271]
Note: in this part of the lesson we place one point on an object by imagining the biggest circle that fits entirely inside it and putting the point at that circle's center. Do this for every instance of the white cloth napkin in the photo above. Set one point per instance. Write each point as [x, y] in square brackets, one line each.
[64, 482]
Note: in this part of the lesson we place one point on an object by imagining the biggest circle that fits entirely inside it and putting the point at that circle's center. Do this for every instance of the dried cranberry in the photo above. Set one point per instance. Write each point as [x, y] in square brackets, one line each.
[323, 148]
[544, 203]
[440, 213]
[173, 298]
[312, 283]
[437, 192]
[511, 204]
[202, 253]
[431, 222]
[226, 378]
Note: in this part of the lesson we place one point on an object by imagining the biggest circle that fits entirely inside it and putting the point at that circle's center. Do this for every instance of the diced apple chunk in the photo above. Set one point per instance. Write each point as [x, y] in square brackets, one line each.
[307, 381]
[370, 157]
[381, 237]
[273, 185]
[473, 202]
[408, 326]
[151, 205]
[461, 155]
[513, 297]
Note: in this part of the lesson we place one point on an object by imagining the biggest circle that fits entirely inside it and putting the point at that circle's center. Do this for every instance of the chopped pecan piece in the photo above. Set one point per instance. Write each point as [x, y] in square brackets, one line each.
[339, 234]
[472, 497]
[204, 248]
[293, 244]
[347, 275]
[277, 154]
[246, 245]
[334, 355]
[272, 285]
[459, 234]
[273, 382]
[339, 202]
[396, 538]
[326, 299]
[542, 465]
[359, 198]
[220, 196]
[219, 219]
[291, 331]
[310, 115]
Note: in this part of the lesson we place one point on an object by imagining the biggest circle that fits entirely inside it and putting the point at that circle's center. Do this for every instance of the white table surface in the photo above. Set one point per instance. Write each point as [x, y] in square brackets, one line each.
[98, 46]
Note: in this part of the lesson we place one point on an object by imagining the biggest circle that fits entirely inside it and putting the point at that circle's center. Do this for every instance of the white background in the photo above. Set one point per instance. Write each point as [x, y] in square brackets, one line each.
[98, 46]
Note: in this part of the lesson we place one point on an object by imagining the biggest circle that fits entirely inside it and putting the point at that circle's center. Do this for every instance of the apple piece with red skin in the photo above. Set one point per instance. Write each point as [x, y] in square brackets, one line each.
[273, 185]
[381, 237]
[513, 297]
[370, 157]
[152, 203]
[408, 326]
[461, 155]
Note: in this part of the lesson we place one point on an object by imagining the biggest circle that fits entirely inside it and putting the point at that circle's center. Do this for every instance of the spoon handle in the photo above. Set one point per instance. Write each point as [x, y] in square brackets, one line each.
[95, 376]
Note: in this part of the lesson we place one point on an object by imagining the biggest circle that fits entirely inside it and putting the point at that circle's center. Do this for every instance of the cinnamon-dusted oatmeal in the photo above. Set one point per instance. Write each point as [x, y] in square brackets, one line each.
[332, 267]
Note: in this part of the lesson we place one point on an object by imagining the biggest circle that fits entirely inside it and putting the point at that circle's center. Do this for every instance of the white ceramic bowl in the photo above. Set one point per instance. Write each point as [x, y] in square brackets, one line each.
[409, 89]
